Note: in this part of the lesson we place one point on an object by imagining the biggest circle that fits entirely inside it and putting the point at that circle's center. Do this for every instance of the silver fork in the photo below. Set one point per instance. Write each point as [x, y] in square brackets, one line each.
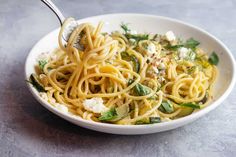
[55, 9]
[69, 28]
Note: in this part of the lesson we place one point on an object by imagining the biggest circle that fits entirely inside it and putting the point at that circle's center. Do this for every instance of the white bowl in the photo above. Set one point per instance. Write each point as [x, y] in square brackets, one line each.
[145, 23]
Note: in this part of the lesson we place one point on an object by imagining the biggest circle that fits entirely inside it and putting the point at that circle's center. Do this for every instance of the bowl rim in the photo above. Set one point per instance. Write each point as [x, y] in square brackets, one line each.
[189, 118]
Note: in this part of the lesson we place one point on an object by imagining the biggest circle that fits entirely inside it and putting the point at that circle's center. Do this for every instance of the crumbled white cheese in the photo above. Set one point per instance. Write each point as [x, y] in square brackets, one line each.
[61, 107]
[183, 52]
[43, 95]
[94, 105]
[170, 36]
[151, 49]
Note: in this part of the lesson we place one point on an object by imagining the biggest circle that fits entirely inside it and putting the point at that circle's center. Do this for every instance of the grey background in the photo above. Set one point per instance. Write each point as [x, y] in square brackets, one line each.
[27, 129]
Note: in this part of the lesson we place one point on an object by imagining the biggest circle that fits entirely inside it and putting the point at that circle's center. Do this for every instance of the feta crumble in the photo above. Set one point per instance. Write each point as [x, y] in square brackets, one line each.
[186, 53]
[170, 36]
[61, 107]
[183, 52]
[43, 95]
[151, 49]
[94, 105]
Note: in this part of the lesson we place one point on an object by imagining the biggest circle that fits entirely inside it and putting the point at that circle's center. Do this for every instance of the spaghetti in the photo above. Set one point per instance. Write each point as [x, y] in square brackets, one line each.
[125, 78]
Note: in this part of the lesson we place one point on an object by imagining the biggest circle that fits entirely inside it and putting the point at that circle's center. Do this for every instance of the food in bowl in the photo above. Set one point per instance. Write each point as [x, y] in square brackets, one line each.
[127, 77]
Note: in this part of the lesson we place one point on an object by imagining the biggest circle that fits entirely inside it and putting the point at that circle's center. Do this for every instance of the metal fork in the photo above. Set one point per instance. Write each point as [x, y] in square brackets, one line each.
[55, 9]
[69, 28]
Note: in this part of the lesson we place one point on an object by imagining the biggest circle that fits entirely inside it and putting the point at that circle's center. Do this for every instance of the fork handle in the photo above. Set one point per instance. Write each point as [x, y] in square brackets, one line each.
[54, 8]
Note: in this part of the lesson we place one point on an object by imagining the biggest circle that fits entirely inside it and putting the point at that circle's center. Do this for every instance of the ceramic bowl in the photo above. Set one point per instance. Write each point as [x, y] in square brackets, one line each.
[145, 23]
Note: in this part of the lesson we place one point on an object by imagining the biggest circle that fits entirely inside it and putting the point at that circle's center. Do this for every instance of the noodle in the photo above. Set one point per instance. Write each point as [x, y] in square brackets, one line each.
[131, 76]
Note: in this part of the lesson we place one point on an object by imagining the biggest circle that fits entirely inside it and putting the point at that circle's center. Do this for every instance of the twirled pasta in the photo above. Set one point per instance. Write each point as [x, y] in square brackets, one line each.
[99, 69]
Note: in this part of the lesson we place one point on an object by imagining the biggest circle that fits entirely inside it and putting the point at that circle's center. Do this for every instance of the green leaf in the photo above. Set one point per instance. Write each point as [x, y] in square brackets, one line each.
[130, 81]
[137, 37]
[109, 115]
[42, 63]
[162, 109]
[185, 111]
[135, 62]
[37, 85]
[132, 58]
[150, 120]
[213, 58]
[154, 120]
[122, 111]
[141, 122]
[139, 89]
[191, 43]
[166, 106]
[125, 27]
[173, 47]
[125, 56]
[191, 105]
[128, 35]
[154, 37]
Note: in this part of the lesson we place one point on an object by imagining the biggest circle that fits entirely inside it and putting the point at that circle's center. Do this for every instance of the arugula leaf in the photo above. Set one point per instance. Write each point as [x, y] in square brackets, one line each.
[125, 56]
[166, 106]
[130, 81]
[154, 120]
[135, 63]
[137, 37]
[42, 63]
[128, 35]
[36, 84]
[173, 47]
[191, 105]
[213, 58]
[185, 111]
[125, 27]
[139, 89]
[154, 37]
[191, 43]
[132, 58]
[109, 115]
[150, 120]
[141, 122]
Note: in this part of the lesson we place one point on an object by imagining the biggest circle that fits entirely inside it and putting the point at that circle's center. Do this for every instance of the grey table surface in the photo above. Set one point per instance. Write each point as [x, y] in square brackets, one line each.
[28, 129]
